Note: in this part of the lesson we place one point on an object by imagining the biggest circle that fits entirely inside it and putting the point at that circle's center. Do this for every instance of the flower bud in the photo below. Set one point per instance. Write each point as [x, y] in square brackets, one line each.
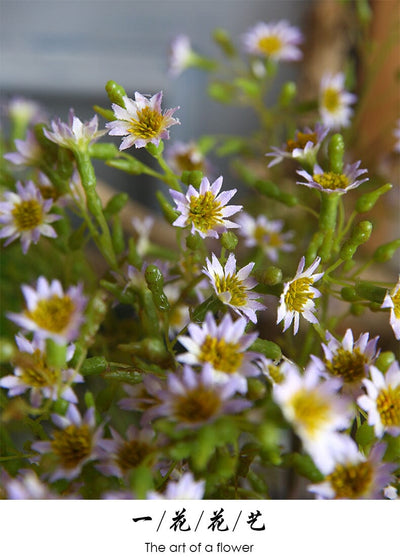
[360, 234]
[367, 201]
[385, 360]
[386, 251]
[103, 151]
[229, 240]
[155, 282]
[155, 150]
[194, 242]
[349, 294]
[336, 153]
[224, 41]
[115, 204]
[130, 166]
[168, 211]
[115, 93]
[192, 177]
[270, 276]
[287, 94]
[94, 366]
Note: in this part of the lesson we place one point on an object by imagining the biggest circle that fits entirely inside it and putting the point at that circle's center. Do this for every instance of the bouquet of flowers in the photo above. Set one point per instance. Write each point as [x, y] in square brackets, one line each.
[233, 357]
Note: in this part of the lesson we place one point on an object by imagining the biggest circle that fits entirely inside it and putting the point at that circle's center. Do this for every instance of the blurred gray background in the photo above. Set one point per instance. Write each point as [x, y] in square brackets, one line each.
[61, 53]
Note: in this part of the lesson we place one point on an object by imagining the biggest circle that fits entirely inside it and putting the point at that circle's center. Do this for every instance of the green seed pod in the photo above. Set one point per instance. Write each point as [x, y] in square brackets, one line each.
[367, 201]
[155, 282]
[115, 204]
[130, 166]
[369, 291]
[229, 240]
[336, 153]
[115, 93]
[287, 94]
[385, 360]
[349, 294]
[270, 276]
[224, 41]
[360, 234]
[168, 211]
[357, 309]
[268, 348]
[194, 242]
[386, 251]
[192, 177]
[103, 151]
[94, 366]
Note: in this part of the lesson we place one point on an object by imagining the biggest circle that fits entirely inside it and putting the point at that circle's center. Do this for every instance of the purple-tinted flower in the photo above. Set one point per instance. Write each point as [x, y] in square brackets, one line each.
[233, 287]
[119, 456]
[141, 121]
[332, 182]
[25, 486]
[303, 148]
[28, 151]
[350, 360]
[356, 477]
[278, 41]
[223, 346]
[73, 445]
[186, 156]
[33, 373]
[180, 55]
[392, 301]
[50, 313]
[25, 214]
[192, 399]
[266, 234]
[76, 134]
[206, 209]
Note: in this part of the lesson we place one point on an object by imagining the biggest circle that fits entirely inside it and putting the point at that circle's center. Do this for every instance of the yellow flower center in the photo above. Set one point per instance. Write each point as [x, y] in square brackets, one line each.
[204, 212]
[348, 365]
[184, 161]
[351, 481]
[274, 240]
[148, 124]
[275, 374]
[35, 371]
[331, 180]
[388, 406]
[234, 286]
[311, 411]
[331, 99]
[270, 45]
[28, 214]
[72, 445]
[223, 356]
[131, 454]
[197, 405]
[298, 293]
[301, 141]
[53, 314]
[396, 303]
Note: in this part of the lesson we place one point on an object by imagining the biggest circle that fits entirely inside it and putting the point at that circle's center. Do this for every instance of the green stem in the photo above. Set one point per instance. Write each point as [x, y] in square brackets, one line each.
[327, 223]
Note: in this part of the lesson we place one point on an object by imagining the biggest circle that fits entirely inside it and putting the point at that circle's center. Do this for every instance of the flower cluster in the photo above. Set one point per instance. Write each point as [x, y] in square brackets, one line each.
[194, 351]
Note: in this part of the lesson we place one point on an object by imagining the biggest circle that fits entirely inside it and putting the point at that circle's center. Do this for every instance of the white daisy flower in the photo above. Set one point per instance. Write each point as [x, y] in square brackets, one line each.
[25, 215]
[264, 233]
[303, 148]
[186, 156]
[141, 121]
[382, 401]
[335, 101]
[355, 476]
[75, 444]
[185, 488]
[392, 301]
[50, 313]
[25, 486]
[350, 360]
[278, 41]
[205, 210]
[180, 55]
[298, 296]
[331, 182]
[316, 411]
[33, 373]
[233, 288]
[223, 346]
[76, 134]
